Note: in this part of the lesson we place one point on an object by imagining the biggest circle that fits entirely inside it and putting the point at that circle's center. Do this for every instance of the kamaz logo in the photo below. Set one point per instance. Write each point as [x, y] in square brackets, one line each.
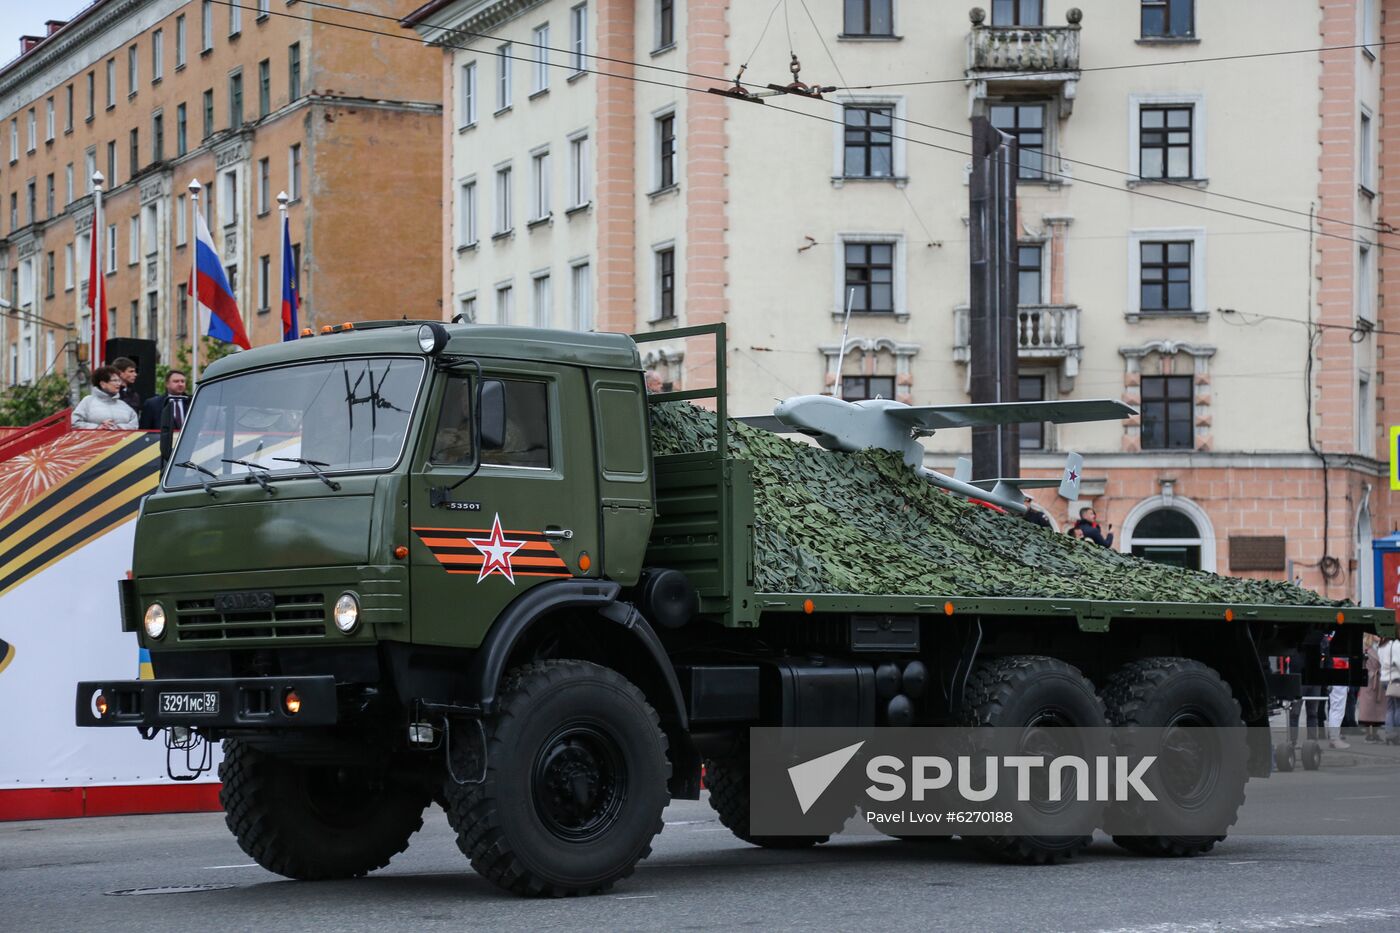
[245, 602]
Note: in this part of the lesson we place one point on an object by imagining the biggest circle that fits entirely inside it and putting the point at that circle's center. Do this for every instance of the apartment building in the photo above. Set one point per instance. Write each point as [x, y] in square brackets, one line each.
[1164, 210]
[250, 100]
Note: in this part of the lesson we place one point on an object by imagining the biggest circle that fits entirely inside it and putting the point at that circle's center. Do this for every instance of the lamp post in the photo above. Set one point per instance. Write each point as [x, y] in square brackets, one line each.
[195, 188]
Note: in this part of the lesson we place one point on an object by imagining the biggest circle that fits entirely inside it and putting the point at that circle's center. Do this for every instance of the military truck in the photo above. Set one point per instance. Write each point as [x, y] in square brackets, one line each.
[412, 562]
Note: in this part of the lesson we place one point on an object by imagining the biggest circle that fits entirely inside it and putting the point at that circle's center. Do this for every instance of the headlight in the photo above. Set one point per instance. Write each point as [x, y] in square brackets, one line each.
[155, 620]
[432, 338]
[347, 612]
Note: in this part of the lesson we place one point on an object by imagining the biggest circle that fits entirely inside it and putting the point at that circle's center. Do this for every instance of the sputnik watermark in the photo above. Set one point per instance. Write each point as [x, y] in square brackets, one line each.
[1116, 779]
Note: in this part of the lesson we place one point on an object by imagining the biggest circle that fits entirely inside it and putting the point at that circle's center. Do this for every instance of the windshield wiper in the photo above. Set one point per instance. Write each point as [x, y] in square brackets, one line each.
[254, 476]
[191, 465]
[314, 465]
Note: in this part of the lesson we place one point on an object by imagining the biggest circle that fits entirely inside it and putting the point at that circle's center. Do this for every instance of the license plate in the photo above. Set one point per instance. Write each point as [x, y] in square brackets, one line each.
[247, 601]
[189, 703]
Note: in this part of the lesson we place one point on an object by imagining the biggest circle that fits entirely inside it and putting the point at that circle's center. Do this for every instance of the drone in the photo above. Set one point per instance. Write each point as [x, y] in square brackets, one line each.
[884, 424]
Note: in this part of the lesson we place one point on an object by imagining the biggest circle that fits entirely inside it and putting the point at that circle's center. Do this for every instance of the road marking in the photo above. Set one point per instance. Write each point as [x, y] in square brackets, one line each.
[633, 897]
[1372, 797]
[687, 822]
[249, 865]
[1265, 924]
[1252, 861]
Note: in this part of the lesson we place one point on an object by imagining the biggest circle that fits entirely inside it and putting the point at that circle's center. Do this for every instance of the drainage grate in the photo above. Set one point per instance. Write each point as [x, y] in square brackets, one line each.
[169, 889]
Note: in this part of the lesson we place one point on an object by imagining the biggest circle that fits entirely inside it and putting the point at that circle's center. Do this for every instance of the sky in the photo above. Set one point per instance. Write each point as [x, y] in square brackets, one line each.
[25, 17]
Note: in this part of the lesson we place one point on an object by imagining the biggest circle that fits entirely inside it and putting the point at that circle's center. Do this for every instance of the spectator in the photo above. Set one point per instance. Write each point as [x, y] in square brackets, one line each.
[1388, 656]
[1370, 705]
[1089, 524]
[103, 408]
[1034, 515]
[175, 397]
[126, 368]
[1075, 532]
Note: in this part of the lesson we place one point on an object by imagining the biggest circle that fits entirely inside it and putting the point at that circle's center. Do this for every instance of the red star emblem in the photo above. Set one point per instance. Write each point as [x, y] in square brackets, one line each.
[497, 551]
[1072, 475]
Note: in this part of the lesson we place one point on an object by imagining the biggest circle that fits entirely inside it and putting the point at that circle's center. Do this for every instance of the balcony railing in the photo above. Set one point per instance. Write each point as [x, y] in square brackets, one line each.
[1043, 332]
[1023, 48]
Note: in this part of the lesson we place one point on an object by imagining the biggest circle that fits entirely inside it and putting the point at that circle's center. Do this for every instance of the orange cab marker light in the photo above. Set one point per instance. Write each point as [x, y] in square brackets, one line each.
[584, 562]
[400, 552]
[1341, 618]
[947, 608]
[292, 703]
[307, 332]
[101, 704]
[1229, 615]
[808, 606]
[347, 326]
[328, 329]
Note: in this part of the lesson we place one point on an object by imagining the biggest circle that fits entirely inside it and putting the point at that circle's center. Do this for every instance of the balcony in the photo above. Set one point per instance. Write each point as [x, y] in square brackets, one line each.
[1021, 59]
[1044, 332]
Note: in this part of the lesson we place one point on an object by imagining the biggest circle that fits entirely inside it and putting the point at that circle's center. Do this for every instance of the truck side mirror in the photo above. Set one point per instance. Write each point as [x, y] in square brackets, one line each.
[493, 414]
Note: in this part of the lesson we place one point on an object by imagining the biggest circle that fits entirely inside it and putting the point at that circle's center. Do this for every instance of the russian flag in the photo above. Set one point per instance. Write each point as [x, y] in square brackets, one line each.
[291, 298]
[215, 296]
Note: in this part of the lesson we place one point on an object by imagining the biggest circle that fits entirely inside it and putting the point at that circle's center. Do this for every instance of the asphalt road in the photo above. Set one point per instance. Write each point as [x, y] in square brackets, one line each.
[65, 875]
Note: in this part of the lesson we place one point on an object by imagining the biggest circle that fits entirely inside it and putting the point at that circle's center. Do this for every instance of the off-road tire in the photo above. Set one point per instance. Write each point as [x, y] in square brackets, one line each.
[500, 823]
[1000, 693]
[285, 815]
[1146, 693]
[728, 783]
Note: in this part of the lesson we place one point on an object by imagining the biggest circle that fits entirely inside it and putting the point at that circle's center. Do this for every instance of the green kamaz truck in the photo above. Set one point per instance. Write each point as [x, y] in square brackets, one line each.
[413, 562]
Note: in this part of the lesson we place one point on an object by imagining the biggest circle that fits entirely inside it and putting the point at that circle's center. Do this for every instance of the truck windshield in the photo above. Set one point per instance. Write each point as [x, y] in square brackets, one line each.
[341, 415]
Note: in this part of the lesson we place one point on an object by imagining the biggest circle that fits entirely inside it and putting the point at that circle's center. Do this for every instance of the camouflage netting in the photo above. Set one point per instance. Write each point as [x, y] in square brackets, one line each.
[865, 523]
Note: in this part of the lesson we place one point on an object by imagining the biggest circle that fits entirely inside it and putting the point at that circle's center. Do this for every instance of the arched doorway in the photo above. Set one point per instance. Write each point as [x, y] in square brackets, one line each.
[1173, 531]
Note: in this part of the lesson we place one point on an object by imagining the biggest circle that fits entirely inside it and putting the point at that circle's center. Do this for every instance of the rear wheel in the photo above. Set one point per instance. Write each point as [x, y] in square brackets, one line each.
[574, 784]
[728, 783]
[315, 822]
[1183, 702]
[1039, 695]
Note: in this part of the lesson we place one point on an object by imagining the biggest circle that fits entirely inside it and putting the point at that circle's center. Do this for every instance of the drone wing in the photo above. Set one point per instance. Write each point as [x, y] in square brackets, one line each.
[936, 417]
[769, 423]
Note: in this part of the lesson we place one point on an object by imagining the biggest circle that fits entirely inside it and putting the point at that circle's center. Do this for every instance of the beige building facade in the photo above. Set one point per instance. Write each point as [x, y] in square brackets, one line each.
[249, 100]
[1201, 240]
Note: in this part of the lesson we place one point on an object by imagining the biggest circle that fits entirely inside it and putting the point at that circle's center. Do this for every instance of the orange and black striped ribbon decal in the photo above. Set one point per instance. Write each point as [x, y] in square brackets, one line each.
[454, 551]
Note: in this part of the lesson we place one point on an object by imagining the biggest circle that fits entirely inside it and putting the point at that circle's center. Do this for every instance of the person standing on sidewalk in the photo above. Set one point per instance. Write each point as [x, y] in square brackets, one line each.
[1388, 655]
[1370, 702]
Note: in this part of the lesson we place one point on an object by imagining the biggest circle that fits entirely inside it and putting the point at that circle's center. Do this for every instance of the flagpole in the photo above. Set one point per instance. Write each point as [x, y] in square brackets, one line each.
[282, 200]
[195, 188]
[96, 293]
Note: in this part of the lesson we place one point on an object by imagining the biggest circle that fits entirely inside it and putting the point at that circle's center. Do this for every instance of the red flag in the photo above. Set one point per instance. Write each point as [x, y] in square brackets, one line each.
[97, 296]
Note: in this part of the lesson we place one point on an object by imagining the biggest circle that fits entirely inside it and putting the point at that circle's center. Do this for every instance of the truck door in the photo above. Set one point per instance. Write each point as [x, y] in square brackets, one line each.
[530, 513]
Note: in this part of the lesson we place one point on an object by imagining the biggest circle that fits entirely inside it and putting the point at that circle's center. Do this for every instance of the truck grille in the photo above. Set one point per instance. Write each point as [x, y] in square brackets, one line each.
[295, 615]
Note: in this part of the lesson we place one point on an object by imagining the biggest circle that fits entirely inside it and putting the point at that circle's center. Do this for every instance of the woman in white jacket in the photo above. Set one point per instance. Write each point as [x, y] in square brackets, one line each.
[103, 408]
[1389, 655]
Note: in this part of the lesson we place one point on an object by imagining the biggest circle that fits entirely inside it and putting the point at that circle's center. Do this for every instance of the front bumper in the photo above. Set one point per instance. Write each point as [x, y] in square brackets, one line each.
[243, 702]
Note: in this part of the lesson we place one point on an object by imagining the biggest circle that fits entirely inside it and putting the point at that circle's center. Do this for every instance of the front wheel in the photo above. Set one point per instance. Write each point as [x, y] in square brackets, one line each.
[574, 786]
[315, 822]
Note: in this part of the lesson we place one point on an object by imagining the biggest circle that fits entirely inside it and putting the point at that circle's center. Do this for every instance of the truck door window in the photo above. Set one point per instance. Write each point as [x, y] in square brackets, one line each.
[526, 442]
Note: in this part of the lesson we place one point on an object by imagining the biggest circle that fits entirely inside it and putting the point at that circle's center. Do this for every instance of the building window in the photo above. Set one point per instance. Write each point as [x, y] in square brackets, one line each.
[135, 151]
[48, 195]
[31, 200]
[68, 109]
[235, 19]
[869, 148]
[665, 151]
[503, 212]
[1366, 174]
[264, 87]
[580, 189]
[180, 220]
[1025, 122]
[264, 9]
[543, 301]
[133, 55]
[68, 267]
[50, 274]
[264, 186]
[89, 168]
[14, 140]
[869, 18]
[208, 113]
[1365, 436]
[228, 198]
[466, 214]
[235, 100]
[1031, 389]
[111, 242]
[294, 172]
[150, 240]
[541, 39]
[665, 284]
[539, 185]
[264, 284]
[1016, 13]
[181, 131]
[152, 315]
[1168, 536]
[157, 137]
[503, 63]
[1370, 23]
[870, 277]
[1168, 19]
[1167, 412]
[1029, 285]
[1166, 275]
[111, 163]
[1365, 285]
[581, 288]
[91, 94]
[466, 115]
[48, 120]
[505, 298]
[180, 47]
[294, 71]
[1164, 142]
[33, 130]
[578, 36]
[157, 55]
[466, 309]
[182, 326]
[133, 241]
[859, 388]
[68, 183]
[206, 25]
[665, 24]
[111, 83]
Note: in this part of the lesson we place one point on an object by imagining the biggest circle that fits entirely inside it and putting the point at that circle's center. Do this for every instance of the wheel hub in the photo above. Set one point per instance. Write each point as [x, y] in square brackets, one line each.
[578, 782]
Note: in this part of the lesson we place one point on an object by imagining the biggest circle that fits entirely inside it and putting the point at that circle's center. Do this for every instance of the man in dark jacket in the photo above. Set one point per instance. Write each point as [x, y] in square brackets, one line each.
[126, 368]
[175, 397]
[1089, 524]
